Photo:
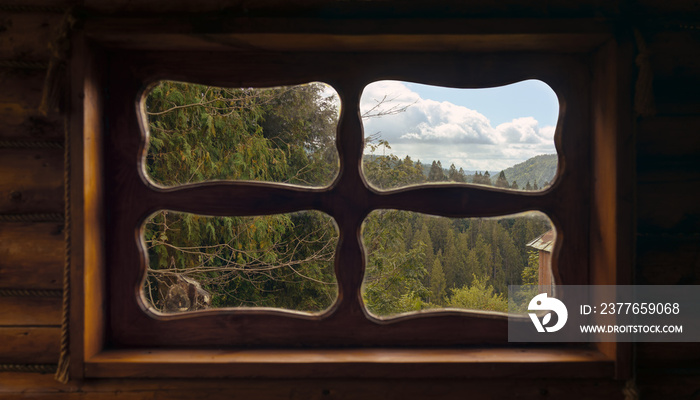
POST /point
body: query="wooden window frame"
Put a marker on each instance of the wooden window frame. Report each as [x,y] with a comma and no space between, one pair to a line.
[112,335]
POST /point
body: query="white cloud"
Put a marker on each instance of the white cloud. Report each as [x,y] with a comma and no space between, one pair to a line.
[524,130]
[432,130]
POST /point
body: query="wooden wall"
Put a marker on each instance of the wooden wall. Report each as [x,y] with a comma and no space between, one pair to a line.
[668,202]
[31,209]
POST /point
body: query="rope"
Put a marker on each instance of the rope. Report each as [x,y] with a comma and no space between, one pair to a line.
[56,83]
[630,390]
[43,368]
[30,293]
[23,64]
[57,217]
[62,371]
[26,144]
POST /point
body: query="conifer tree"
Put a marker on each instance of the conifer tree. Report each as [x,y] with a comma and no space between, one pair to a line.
[501,181]
[452,174]
[461,176]
[437,283]
[436,173]
[477,179]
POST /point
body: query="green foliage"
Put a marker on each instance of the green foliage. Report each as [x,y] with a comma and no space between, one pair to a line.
[388,172]
[539,170]
[437,283]
[199,133]
[436,173]
[501,181]
[392,271]
[452,251]
[482,179]
[414,262]
[478,296]
[530,274]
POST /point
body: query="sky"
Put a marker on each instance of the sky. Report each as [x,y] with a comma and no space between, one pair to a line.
[475,129]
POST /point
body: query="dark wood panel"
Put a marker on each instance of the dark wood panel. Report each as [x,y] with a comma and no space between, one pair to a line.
[668,200]
[29,345]
[31,181]
[31,255]
[30,310]
[672,140]
[333,8]
[675,60]
[674,52]
[662,386]
[677,95]
[658,356]
[44,386]
[25,36]
[19,101]
[668,261]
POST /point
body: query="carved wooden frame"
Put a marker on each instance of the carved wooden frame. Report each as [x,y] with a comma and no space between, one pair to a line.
[117,336]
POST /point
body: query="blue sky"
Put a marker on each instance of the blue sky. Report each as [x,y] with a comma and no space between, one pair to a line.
[476,129]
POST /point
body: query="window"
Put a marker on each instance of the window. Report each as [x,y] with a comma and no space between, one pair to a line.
[119,338]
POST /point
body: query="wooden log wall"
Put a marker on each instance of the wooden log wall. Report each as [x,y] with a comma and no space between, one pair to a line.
[668,202]
[31,217]
[31,194]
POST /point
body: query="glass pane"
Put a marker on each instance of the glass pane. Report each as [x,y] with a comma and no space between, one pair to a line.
[199,262]
[420,262]
[502,137]
[201,133]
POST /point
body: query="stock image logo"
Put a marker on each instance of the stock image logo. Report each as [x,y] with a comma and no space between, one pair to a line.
[543,303]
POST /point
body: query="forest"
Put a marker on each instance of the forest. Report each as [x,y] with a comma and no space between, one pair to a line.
[287,135]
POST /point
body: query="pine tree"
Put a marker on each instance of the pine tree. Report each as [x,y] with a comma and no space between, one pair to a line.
[452,174]
[437,283]
[487,178]
[534,187]
[436,173]
[461,176]
[528,186]
[514,185]
[501,181]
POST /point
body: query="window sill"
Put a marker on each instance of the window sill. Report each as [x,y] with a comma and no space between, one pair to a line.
[351,363]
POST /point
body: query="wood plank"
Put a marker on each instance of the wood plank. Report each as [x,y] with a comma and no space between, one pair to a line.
[28,310]
[675,95]
[660,385]
[674,52]
[44,386]
[668,355]
[668,201]
[19,102]
[29,345]
[668,261]
[25,36]
[676,70]
[333,8]
[673,139]
[31,181]
[351,363]
[33,6]
[31,255]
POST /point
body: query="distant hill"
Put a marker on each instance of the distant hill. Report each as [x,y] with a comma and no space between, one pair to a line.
[538,169]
